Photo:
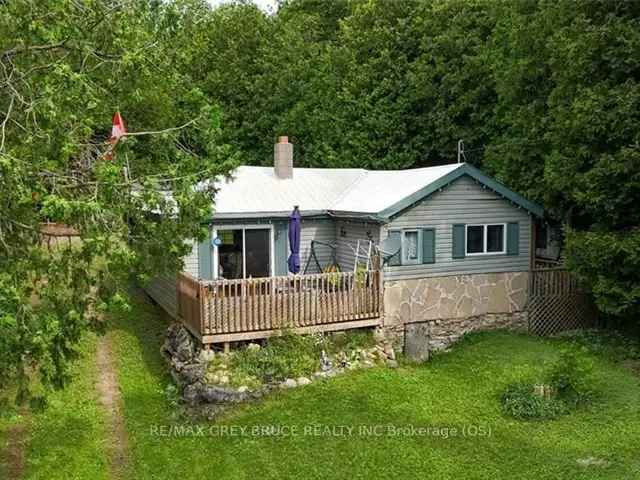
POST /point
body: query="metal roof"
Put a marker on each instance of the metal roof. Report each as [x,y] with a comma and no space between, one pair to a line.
[253,192]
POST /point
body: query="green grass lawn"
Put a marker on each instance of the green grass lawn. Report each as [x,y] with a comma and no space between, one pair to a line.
[456,390]
[66,440]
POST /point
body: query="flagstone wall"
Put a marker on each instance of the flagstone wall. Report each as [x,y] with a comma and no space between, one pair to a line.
[457,304]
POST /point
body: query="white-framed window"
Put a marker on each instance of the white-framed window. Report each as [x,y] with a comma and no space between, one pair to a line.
[486,239]
[410,247]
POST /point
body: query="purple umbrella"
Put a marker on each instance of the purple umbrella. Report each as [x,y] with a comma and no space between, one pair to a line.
[294,240]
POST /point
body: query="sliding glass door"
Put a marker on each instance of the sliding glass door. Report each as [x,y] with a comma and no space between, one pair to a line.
[243,252]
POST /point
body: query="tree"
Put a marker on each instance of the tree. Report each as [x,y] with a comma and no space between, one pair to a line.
[65,68]
[568,106]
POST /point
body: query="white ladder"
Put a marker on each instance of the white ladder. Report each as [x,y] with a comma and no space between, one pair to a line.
[360,253]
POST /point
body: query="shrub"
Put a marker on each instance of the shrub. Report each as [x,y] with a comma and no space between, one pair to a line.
[520,401]
[291,355]
[609,343]
[286,356]
[572,376]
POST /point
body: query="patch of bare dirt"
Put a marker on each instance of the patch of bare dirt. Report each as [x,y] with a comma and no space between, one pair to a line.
[109,396]
[14,455]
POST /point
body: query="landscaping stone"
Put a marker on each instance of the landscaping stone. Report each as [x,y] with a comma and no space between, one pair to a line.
[206,355]
[593,462]
[416,342]
[289,383]
[205,392]
[301,381]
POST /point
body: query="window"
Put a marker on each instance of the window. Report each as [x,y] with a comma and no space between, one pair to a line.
[410,247]
[486,239]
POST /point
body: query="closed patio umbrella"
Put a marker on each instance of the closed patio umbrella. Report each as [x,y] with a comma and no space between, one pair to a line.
[294,240]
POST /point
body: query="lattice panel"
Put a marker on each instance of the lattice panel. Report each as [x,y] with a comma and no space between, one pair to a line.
[551,314]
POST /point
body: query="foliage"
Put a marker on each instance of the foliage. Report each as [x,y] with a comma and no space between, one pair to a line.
[572,377]
[607,343]
[520,401]
[66,67]
[608,262]
[286,356]
[291,355]
[566,383]
[456,389]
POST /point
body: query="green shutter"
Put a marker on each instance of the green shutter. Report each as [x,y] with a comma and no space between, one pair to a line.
[395,239]
[513,238]
[458,241]
[281,230]
[428,245]
[204,259]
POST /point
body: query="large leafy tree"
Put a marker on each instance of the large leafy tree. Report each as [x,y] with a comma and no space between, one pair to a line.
[568,83]
[65,67]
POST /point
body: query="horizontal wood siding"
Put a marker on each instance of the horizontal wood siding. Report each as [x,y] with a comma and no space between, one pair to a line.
[462,202]
[163,288]
[163,291]
[316,229]
[191,260]
[353,231]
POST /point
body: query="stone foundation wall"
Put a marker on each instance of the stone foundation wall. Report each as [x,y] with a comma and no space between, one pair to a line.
[454,305]
[443,333]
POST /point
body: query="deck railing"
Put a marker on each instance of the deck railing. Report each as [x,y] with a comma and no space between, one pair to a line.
[228,307]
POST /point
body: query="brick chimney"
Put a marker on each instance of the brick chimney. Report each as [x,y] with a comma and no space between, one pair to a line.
[283,158]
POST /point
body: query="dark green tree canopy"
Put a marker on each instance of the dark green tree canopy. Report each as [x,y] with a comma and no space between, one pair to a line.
[545,95]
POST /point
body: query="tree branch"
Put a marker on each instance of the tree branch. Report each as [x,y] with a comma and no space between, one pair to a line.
[4,122]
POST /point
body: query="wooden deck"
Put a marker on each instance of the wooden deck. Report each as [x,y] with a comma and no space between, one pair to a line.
[232,310]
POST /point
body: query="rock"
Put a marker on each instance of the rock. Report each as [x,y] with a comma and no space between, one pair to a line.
[592,462]
[191,393]
[289,383]
[253,347]
[389,352]
[319,374]
[192,373]
[301,381]
[183,345]
[222,395]
[325,362]
[243,389]
[392,363]
[211,378]
[206,355]
[367,364]
[417,342]
[224,380]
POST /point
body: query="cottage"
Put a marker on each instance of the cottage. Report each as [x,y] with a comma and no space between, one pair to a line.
[445,247]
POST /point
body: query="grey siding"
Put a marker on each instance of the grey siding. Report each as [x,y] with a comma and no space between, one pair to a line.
[348,232]
[318,229]
[164,293]
[191,260]
[163,289]
[464,201]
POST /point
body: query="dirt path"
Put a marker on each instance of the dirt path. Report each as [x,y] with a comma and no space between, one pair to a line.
[109,396]
[14,455]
